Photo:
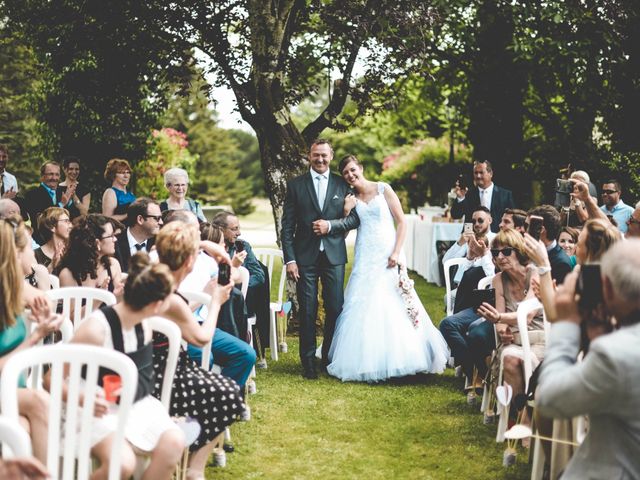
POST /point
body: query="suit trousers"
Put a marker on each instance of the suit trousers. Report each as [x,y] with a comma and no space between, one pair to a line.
[470,341]
[332,279]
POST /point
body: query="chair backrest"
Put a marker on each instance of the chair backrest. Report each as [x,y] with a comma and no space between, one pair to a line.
[14,439]
[79,302]
[244,275]
[54,281]
[272,258]
[172,332]
[66,332]
[200,298]
[524,308]
[447,280]
[78,425]
[485,282]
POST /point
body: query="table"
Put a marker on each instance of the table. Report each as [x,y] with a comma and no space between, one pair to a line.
[420,245]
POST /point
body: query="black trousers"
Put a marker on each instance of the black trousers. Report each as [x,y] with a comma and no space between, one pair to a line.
[332,279]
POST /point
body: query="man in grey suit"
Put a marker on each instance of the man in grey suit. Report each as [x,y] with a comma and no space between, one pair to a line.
[606,384]
[313,232]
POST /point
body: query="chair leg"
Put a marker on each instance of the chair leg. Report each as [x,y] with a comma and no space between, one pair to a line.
[273,336]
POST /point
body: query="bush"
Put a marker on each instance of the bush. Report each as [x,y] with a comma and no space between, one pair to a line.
[423,171]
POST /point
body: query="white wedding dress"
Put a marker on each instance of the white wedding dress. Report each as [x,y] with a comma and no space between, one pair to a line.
[375,338]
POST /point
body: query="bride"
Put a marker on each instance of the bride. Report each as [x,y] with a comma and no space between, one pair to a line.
[383,331]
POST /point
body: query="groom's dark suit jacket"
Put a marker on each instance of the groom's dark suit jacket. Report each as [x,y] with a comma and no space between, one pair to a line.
[301,209]
[500,201]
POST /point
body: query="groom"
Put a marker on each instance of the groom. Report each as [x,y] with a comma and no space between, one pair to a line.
[313,232]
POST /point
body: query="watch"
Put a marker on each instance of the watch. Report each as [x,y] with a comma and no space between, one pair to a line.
[544,269]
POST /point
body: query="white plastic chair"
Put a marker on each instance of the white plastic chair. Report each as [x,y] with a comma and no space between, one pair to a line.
[251,321]
[524,308]
[72,301]
[485,282]
[77,428]
[268,257]
[14,439]
[447,280]
[54,281]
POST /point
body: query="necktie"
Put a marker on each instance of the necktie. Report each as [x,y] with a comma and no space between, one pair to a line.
[1,183]
[321,190]
[140,246]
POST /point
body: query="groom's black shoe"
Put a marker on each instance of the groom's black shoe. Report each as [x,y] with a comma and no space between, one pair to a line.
[309,369]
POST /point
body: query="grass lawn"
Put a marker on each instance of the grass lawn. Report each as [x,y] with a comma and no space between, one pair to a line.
[420,428]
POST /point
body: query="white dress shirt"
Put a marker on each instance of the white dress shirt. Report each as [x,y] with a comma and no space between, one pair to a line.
[459,251]
[9,182]
[486,195]
[132,243]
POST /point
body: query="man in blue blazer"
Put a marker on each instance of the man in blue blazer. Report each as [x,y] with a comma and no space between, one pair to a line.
[313,232]
[484,193]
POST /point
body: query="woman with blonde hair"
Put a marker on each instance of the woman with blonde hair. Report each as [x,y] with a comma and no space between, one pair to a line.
[177,182]
[216,400]
[16,258]
[116,198]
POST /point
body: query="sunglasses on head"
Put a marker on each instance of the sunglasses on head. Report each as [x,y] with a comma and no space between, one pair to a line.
[507,251]
[609,192]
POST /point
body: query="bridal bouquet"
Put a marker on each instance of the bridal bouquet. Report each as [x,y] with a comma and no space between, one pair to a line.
[406,291]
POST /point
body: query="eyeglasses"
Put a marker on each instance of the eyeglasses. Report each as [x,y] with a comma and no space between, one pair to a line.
[478,220]
[506,252]
[609,192]
[124,172]
[64,220]
[632,220]
[112,236]
[157,218]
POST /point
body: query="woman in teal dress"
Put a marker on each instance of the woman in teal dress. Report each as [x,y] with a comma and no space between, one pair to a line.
[16,260]
[116,199]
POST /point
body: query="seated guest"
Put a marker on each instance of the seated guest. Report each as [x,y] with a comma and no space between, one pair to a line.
[475,248]
[568,239]
[595,238]
[16,259]
[258,293]
[560,262]
[54,226]
[603,384]
[123,327]
[513,218]
[513,285]
[177,182]
[613,204]
[81,199]
[8,208]
[216,399]
[8,182]
[235,356]
[89,258]
[45,195]
[633,223]
[143,223]
[116,198]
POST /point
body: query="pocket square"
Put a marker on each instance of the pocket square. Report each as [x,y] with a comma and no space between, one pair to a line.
[335,197]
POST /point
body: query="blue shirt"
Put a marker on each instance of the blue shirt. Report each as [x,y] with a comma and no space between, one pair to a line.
[51,192]
[621,213]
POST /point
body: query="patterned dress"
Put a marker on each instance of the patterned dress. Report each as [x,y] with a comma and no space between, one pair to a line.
[215,401]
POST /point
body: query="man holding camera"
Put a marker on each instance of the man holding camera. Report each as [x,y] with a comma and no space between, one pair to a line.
[548,232]
[485,193]
[614,206]
[605,384]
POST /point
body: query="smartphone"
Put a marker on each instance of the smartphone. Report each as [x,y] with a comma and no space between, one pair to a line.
[535,226]
[460,182]
[224,274]
[563,193]
[589,287]
[468,228]
[479,296]
[239,244]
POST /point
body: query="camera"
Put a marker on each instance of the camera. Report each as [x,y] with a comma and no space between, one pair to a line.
[239,244]
[224,274]
[460,183]
[589,287]
[563,193]
[535,226]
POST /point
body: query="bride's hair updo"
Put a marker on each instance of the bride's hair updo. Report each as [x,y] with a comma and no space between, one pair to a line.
[346,161]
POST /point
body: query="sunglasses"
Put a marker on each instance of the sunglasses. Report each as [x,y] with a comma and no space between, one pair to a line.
[506,252]
[478,220]
[609,192]
[157,218]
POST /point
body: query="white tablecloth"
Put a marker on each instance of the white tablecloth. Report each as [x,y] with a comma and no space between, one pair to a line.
[420,245]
